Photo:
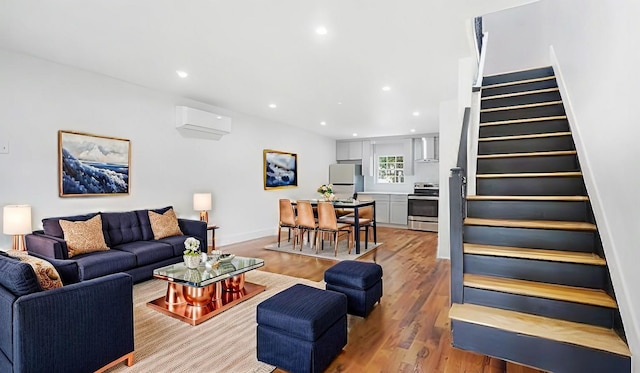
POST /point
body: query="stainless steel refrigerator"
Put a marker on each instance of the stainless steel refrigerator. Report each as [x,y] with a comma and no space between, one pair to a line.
[347,180]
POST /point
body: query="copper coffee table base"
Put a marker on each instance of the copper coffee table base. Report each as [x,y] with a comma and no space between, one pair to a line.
[196,305]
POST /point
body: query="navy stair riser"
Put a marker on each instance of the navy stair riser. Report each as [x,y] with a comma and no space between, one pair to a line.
[537,144]
[576,312]
[571,274]
[536,352]
[522,113]
[531,98]
[531,186]
[539,163]
[525,128]
[522,87]
[580,241]
[531,210]
[518,75]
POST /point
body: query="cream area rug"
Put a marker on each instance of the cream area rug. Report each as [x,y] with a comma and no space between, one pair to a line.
[225,343]
[327,253]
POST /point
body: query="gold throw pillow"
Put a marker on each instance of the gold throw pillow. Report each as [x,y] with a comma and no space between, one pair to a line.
[83,236]
[45,271]
[164,225]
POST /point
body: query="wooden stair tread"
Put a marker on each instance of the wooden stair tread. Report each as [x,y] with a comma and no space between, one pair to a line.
[590,336]
[516,82]
[525,120]
[530,154]
[530,174]
[523,106]
[527,198]
[594,297]
[524,93]
[522,137]
[535,254]
[535,224]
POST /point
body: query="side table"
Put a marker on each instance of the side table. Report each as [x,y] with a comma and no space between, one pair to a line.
[212,228]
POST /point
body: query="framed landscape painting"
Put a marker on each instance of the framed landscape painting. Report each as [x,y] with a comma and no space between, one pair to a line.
[92,165]
[280,169]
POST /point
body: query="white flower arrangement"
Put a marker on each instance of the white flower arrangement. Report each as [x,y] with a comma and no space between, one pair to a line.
[192,246]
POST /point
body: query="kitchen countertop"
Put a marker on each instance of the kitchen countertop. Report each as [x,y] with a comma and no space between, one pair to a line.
[391,193]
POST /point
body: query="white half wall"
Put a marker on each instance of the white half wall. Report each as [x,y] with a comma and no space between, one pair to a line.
[595,47]
[38,98]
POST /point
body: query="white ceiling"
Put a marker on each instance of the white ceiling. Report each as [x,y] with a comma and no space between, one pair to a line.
[243,55]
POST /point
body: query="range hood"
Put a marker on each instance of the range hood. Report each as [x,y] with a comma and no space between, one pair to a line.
[427,151]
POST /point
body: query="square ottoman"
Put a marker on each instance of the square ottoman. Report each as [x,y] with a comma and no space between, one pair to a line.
[361,282]
[302,329]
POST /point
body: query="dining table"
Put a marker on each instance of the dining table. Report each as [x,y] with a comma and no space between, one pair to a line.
[354,205]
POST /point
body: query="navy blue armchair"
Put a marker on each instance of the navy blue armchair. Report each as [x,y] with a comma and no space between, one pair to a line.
[81,327]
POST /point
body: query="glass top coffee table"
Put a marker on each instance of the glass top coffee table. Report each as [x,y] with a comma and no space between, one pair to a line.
[196,295]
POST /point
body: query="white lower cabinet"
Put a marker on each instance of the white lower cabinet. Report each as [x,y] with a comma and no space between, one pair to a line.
[398,209]
[390,208]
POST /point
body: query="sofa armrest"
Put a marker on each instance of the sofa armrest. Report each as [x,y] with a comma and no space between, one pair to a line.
[195,228]
[48,246]
[77,328]
[67,268]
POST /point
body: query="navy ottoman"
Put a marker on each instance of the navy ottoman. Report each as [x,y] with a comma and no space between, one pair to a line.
[302,329]
[361,282]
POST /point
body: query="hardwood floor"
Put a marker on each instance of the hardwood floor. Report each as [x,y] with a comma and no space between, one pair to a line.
[409,331]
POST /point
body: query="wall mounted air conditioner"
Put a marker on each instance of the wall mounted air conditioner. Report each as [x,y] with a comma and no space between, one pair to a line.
[202,124]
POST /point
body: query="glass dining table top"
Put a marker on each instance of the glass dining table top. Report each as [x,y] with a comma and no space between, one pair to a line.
[208,272]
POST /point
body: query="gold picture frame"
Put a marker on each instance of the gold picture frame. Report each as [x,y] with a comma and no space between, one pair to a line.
[280,169]
[93,165]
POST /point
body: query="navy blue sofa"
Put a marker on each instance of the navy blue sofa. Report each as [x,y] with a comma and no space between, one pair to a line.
[132,247]
[76,328]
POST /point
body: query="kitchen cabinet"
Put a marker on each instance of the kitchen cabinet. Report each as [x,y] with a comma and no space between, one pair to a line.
[390,208]
[398,209]
[348,150]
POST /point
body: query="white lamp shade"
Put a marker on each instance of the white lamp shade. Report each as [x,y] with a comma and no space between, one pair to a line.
[202,201]
[16,219]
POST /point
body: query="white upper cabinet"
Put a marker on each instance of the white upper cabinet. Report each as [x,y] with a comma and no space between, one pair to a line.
[348,150]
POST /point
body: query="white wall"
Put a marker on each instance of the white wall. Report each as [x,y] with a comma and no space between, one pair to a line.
[596,54]
[38,98]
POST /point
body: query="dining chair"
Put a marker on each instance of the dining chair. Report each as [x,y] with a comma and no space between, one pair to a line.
[306,222]
[287,220]
[328,223]
[365,221]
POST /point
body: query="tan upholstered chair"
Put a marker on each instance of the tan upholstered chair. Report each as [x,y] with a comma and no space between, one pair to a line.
[366,221]
[287,219]
[328,223]
[306,222]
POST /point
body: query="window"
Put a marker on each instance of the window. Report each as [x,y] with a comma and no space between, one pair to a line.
[391,169]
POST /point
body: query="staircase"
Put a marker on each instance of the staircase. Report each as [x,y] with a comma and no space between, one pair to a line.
[536,286]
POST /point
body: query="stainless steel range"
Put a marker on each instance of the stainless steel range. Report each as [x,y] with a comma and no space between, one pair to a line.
[423,207]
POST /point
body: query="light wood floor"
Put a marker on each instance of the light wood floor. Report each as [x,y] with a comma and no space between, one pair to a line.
[409,331]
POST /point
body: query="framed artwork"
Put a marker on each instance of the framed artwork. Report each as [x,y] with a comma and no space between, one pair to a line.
[280,169]
[92,165]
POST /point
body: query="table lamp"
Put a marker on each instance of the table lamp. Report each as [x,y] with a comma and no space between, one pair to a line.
[202,203]
[17,222]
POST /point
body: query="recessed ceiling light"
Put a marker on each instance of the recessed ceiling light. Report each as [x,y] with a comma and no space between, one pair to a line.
[182,74]
[416,113]
[321,30]
[386,88]
[273,106]
[219,117]
[323,123]
[355,134]
[339,102]
[412,130]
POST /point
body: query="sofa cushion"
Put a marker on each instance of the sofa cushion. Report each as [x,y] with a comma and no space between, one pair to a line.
[46,273]
[164,225]
[83,236]
[121,227]
[145,224]
[102,263]
[177,243]
[17,277]
[147,252]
